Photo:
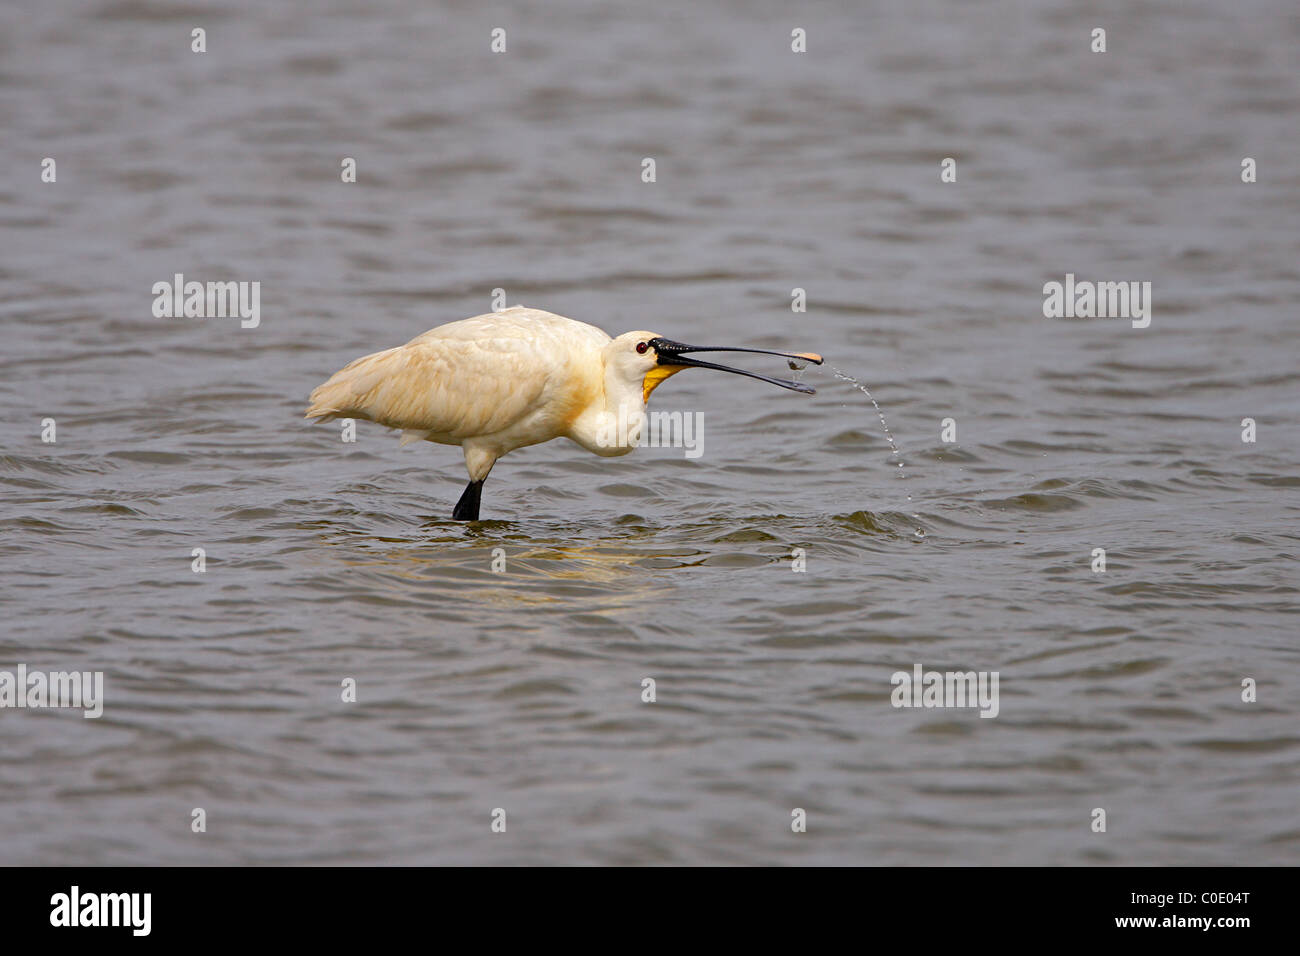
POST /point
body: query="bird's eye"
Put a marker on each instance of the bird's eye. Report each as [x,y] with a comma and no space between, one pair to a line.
[641,347]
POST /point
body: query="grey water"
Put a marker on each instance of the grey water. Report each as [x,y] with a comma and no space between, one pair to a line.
[522,688]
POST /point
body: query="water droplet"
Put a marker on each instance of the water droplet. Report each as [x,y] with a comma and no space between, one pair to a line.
[889,437]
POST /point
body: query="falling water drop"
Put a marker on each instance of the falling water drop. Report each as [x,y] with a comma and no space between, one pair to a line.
[889,436]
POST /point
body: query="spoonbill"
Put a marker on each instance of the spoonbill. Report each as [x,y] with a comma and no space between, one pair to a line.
[518,377]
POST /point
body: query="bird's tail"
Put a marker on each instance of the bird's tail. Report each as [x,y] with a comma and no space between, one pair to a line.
[344,394]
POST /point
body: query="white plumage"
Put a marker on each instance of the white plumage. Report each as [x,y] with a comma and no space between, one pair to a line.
[508,379]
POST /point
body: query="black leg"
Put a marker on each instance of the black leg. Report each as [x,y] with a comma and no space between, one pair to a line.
[467,507]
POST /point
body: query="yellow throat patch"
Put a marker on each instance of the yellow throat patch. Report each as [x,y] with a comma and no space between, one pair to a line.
[655,377]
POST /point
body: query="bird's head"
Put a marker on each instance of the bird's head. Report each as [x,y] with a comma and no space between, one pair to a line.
[648,358]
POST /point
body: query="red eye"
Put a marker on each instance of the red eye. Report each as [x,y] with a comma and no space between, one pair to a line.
[641,347]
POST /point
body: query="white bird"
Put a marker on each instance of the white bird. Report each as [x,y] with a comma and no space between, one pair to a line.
[518,377]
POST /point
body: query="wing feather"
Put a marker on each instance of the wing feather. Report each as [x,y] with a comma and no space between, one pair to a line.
[470,378]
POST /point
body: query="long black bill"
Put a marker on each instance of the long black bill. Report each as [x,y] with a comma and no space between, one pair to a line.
[673,353]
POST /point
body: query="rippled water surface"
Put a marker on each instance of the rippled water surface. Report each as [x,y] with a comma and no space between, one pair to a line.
[522,690]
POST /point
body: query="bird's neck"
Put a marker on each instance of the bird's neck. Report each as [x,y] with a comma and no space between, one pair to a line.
[613,425]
